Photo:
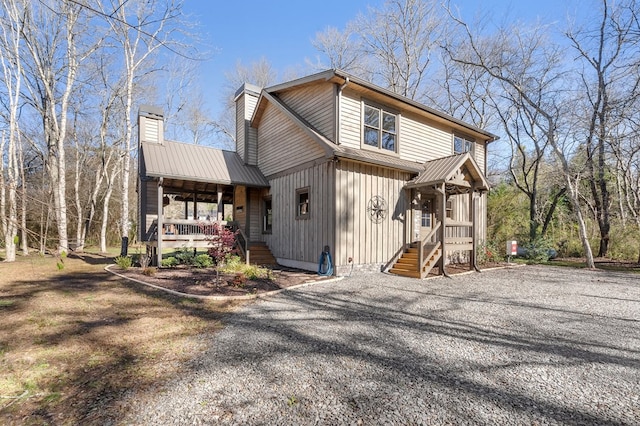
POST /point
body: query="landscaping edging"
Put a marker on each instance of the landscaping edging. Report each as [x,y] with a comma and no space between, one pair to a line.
[219,298]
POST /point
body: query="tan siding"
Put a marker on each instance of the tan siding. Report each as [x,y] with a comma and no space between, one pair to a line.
[150,210]
[302,239]
[240,206]
[255,218]
[419,139]
[422,141]
[368,243]
[245,105]
[316,105]
[282,144]
[480,155]
[350,119]
[240,127]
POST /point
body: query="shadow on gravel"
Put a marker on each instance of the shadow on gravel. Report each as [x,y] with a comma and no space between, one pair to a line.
[395,317]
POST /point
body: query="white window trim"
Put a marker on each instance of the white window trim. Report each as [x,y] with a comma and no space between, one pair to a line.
[379,148]
[468,139]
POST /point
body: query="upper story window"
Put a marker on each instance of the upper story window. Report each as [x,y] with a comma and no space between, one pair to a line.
[462,145]
[380,128]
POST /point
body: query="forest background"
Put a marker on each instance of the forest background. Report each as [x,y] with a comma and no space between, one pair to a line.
[563,96]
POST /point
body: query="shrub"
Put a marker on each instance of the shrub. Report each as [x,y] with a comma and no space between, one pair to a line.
[149,271]
[537,251]
[202,261]
[185,256]
[490,252]
[124,262]
[170,262]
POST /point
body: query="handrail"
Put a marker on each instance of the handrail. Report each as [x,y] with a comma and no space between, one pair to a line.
[243,244]
[421,252]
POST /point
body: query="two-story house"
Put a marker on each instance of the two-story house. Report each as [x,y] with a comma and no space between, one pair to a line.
[330,160]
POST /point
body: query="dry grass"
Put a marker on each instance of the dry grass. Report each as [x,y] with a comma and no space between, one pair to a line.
[75,340]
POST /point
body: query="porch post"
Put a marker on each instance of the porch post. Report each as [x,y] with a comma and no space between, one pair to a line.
[160,224]
[220,205]
[443,226]
[195,205]
[474,228]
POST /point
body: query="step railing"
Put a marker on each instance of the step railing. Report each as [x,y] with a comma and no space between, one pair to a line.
[427,247]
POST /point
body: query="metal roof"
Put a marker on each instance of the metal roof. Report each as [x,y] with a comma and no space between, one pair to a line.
[198,163]
[444,170]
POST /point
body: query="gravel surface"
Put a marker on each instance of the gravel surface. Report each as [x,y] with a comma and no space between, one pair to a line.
[528,345]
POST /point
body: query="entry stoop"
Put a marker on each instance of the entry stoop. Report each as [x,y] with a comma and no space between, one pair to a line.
[260,254]
[407,265]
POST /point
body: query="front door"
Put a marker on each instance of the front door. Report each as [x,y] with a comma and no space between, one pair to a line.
[426,217]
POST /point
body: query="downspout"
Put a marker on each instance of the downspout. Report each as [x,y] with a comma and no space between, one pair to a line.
[334,172]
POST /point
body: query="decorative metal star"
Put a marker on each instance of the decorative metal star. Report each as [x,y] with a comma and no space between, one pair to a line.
[377,209]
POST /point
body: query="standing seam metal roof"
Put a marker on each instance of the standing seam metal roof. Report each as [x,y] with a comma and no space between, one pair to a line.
[199,163]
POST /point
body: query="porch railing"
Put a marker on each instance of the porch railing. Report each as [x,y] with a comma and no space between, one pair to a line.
[426,248]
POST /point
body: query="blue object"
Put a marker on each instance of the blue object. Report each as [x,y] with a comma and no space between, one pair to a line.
[325,264]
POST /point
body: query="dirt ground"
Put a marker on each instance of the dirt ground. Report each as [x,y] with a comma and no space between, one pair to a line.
[205,281]
[75,339]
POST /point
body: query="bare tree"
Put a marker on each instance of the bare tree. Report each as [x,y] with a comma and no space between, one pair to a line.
[530,70]
[52,33]
[10,59]
[342,50]
[401,37]
[609,79]
[140,28]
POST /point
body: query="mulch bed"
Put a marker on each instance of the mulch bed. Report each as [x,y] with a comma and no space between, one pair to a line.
[204,282]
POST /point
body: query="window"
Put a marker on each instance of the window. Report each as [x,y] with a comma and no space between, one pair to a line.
[462,145]
[267,216]
[449,210]
[426,214]
[302,200]
[380,128]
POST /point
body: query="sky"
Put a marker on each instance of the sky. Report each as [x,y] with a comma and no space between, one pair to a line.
[282,30]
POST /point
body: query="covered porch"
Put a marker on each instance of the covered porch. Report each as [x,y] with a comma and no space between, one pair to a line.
[444,217]
[203,183]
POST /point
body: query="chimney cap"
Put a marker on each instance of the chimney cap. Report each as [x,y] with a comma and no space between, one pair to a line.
[247,88]
[150,111]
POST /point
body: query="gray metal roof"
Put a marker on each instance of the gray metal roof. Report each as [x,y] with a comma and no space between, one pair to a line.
[199,163]
[443,170]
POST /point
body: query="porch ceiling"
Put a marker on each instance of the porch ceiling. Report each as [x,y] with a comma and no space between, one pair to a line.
[206,192]
[460,173]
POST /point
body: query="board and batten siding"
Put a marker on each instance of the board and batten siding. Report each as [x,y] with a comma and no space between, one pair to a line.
[240,206]
[369,244]
[282,144]
[299,242]
[255,197]
[315,104]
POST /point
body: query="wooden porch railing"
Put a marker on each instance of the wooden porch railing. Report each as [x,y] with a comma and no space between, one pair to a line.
[185,232]
[242,242]
[427,248]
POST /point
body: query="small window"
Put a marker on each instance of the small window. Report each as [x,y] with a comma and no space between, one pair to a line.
[450,208]
[302,199]
[462,145]
[267,216]
[426,214]
[380,128]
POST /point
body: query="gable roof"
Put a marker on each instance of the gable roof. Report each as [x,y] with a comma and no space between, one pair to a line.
[198,163]
[448,170]
[342,77]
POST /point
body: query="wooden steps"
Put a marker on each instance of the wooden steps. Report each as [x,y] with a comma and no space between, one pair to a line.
[260,254]
[407,265]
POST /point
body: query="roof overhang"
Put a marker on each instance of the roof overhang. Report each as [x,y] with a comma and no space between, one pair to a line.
[197,163]
[459,173]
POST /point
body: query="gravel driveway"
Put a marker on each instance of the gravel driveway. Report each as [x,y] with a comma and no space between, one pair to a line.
[529,345]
